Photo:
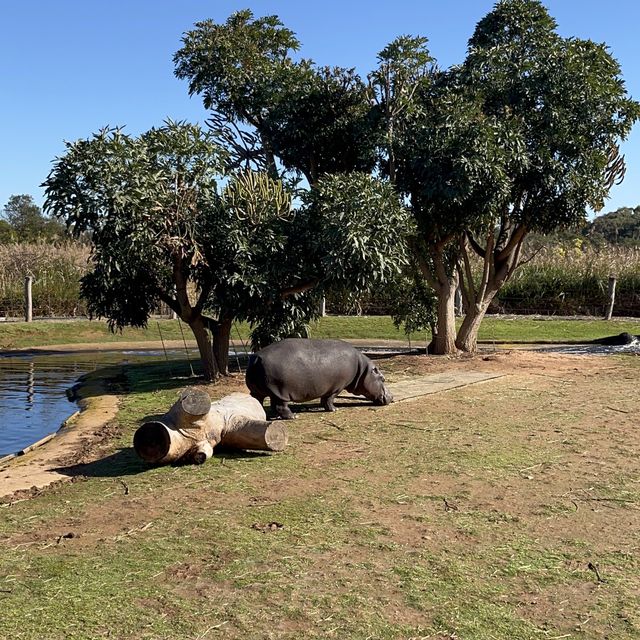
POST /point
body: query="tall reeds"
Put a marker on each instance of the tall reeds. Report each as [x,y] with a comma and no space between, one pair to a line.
[559,279]
[572,279]
[56,270]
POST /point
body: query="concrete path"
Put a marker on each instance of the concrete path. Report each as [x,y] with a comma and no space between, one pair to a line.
[424,385]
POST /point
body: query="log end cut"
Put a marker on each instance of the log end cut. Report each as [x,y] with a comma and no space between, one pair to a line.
[152,442]
[259,435]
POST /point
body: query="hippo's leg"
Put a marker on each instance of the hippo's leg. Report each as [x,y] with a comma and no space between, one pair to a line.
[282,408]
[327,402]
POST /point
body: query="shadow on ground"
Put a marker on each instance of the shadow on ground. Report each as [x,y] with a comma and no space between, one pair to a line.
[125,462]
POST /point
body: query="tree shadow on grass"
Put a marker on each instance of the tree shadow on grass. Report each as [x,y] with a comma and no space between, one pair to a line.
[124,462]
[143,377]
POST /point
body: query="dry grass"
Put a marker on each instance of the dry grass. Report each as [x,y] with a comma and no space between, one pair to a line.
[56,270]
[572,279]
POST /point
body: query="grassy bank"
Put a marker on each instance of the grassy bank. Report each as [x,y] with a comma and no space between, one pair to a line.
[476,517]
[16,335]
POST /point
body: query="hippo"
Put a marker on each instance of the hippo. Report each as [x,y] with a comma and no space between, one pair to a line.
[620,340]
[301,369]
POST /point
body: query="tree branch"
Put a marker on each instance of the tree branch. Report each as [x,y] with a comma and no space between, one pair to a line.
[172,303]
[516,237]
[475,245]
[422,263]
[486,270]
[202,298]
[468,290]
[299,288]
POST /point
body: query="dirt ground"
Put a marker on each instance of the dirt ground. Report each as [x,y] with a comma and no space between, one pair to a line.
[541,464]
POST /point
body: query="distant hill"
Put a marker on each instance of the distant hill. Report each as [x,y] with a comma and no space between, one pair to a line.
[621,227]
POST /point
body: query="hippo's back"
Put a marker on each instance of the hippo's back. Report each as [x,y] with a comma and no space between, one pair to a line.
[300,369]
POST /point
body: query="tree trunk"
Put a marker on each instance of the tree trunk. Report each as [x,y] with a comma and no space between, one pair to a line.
[210,367]
[221,338]
[467,338]
[445,285]
[444,342]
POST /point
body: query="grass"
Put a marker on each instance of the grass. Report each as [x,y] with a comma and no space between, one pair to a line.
[14,335]
[368,548]
[56,270]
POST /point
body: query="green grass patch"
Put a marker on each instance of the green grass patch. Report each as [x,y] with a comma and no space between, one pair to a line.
[15,335]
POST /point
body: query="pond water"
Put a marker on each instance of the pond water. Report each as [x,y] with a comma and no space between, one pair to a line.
[594,349]
[34,386]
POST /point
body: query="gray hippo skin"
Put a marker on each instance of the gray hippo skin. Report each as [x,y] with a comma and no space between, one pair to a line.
[620,340]
[300,369]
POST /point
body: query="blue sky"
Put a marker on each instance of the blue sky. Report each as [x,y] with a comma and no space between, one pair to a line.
[70,67]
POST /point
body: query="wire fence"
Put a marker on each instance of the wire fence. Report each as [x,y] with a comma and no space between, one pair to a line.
[561,280]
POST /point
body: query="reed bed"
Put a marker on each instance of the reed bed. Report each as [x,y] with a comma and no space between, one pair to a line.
[572,279]
[559,279]
[56,270]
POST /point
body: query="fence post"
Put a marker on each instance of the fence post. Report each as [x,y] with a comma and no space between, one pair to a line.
[611,297]
[28,299]
[322,309]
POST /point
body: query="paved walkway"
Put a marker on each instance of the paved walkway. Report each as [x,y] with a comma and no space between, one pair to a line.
[433,383]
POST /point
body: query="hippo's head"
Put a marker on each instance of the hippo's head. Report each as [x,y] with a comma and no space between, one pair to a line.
[372,386]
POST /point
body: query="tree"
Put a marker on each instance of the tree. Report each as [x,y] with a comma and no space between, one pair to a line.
[521,137]
[162,231]
[6,232]
[621,226]
[147,202]
[24,221]
[274,113]
[294,119]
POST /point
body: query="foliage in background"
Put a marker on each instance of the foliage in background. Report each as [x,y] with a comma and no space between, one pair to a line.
[572,279]
[22,220]
[562,278]
[56,270]
[620,227]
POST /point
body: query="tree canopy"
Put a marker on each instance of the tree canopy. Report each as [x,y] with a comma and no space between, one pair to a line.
[522,136]
[620,227]
[168,225]
[24,221]
[415,172]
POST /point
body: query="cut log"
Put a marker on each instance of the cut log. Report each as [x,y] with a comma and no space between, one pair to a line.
[194,425]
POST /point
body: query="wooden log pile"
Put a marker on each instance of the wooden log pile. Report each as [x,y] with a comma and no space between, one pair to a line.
[194,425]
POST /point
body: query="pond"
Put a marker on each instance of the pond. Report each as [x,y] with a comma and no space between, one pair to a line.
[633,348]
[34,386]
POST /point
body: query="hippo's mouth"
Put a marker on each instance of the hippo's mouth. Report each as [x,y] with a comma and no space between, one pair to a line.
[383,400]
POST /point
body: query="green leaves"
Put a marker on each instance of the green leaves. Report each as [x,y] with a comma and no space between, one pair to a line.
[255,198]
[361,230]
[236,66]
[563,98]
